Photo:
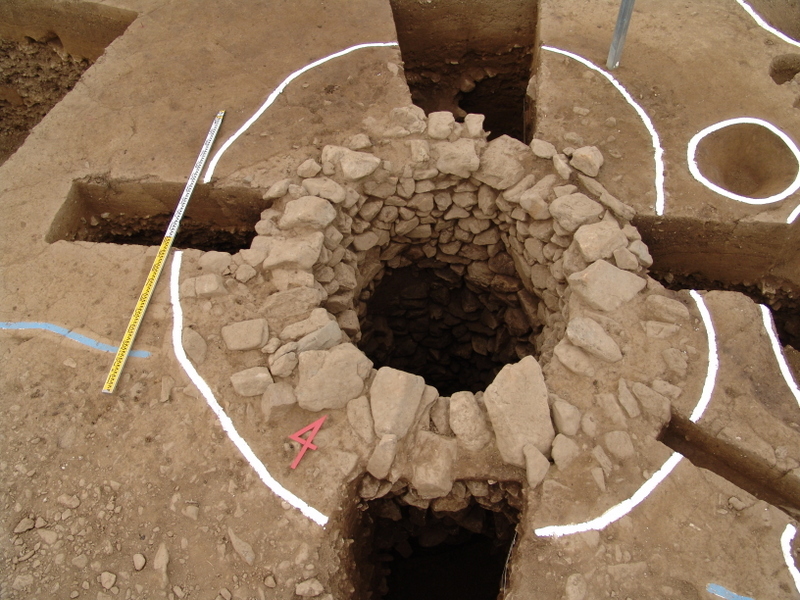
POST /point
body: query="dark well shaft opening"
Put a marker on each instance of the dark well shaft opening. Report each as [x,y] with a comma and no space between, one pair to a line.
[416,553]
[432,323]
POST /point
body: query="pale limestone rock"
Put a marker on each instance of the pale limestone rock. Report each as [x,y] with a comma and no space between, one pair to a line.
[242,548]
[246,335]
[473,125]
[394,398]
[627,399]
[251,382]
[323,338]
[107,579]
[561,165]
[283,365]
[318,318]
[357,165]
[432,470]
[366,241]
[299,252]
[536,465]
[573,210]
[502,163]
[411,118]
[619,444]
[517,405]
[605,287]
[254,258]
[214,262]
[277,394]
[467,421]
[441,125]
[640,251]
[209,285]
[287,307]
[359,141]
[653,403]
[603,460]
[543,149]
[309,168]
[440,416]
[307,211]
[322,187]
[666,309]
[194,345]
[574,358]
[278,189]
[348,322]
[513,193]
[564,451]
[380,462]
[139,561]
[310,588]
[588,334]
[456,158]
[599,240]
[359,415]
[666,389]
[659,330]
[576,587]
[676,362]
[245,273]
[161,563]
[625,259]
[329,379]
[566,417]
[587,160]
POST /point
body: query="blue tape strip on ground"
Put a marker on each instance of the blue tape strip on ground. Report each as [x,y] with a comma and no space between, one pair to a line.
[77,337]
[720,591]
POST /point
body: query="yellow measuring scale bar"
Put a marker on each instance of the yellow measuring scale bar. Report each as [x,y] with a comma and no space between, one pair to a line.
[160,260]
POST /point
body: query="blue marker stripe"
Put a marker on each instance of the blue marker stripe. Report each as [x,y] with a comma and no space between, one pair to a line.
[76,337]
[720,591]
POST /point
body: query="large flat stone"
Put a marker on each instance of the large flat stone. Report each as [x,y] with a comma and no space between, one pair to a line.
[394,397]
[434,456]
[503,162]
[605,287]
[329,379]
[517,405]
[293,305]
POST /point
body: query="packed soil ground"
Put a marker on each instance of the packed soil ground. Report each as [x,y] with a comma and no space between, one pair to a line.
[141,494]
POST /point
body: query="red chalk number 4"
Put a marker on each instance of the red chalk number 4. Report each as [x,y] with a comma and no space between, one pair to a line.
[312,430]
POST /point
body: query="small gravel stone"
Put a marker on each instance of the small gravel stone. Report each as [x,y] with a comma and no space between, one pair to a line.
[107,579]
[139,561]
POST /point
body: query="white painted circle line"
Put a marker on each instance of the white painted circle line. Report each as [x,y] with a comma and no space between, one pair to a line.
[224,419]
[694,169]
[276,92]
[616,512]
[769,325]
[658,150]
[763,24]
[786,546]
[713,358]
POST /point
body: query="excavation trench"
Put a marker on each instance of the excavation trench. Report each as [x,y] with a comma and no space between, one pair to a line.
[120,212]
[472,58]
[455,547]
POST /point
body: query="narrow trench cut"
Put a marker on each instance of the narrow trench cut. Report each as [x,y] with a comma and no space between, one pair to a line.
[472,58]
[458,547]
[127,212]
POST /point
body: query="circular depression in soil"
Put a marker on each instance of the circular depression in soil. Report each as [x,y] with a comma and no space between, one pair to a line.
[747,160]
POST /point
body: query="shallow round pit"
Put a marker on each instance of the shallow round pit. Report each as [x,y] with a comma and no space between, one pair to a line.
[747,160]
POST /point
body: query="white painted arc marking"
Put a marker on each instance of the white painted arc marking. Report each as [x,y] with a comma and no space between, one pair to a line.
[769,325]
[659,151]
[713,358]
[224,419]
[786,546]
[276,92]
[762,23]
[616,512]
[694,169]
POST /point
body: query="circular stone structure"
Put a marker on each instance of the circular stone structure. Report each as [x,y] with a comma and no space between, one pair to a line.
[745,159]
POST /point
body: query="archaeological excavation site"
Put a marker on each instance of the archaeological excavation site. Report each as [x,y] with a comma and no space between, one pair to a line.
[455,300]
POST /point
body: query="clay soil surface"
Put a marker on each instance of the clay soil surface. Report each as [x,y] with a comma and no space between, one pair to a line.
[88,481]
